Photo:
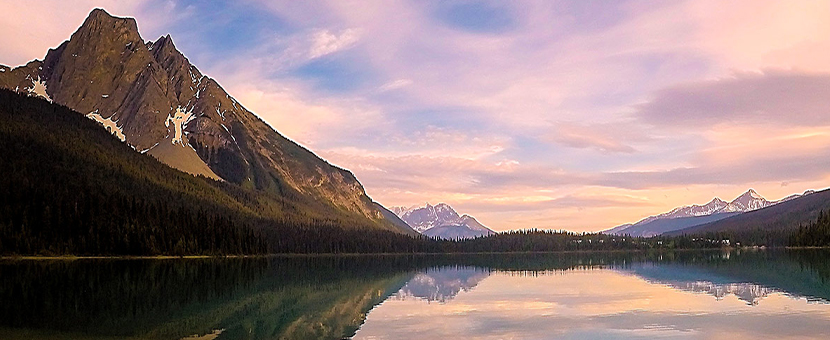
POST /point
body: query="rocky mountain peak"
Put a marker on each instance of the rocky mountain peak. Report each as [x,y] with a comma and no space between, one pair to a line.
[715,201]
[152,98]
[441,221]
[748,201]
[101,26]
[165,52]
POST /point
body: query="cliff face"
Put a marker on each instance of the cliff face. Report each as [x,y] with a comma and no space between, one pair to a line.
[150,93]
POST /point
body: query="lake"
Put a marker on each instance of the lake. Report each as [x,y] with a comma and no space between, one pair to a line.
[676,295]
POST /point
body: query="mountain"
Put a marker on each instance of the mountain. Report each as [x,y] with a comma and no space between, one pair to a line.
[693,215]
[71,187]
[441,221]
[748,201]
[149,95]
[782,217]
[422,218]
[660,226]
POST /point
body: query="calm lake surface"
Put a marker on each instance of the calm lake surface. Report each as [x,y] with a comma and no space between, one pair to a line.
[681,295]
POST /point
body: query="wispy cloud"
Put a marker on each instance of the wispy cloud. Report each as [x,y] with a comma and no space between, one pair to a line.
[783,97]
[324,42]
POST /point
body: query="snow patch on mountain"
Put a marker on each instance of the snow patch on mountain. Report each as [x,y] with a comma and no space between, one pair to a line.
[441,221]
[108,123]
[39,88]
[179,121]
[748,201]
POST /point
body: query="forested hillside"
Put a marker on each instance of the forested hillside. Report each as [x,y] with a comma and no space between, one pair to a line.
[70,187]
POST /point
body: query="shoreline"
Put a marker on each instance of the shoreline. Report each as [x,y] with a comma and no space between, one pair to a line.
[192,257]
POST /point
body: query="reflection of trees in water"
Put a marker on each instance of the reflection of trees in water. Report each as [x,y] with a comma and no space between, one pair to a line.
[168,299]
[329,296]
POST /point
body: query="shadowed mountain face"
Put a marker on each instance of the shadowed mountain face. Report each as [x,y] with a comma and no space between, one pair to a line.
[149,95]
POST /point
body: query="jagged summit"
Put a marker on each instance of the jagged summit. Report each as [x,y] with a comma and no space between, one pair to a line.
[150,96]
[441,221]
[99,17]
[748,201]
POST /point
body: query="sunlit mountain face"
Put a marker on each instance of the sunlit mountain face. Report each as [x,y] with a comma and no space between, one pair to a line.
[441,221]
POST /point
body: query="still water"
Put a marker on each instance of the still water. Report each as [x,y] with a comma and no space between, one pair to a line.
[682,295]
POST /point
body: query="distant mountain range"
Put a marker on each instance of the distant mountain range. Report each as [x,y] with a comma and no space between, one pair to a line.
[694,215]
[441,221]
[149,96]
[775,220]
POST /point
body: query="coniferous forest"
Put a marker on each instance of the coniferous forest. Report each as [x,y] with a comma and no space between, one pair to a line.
[68,187]
[815,234]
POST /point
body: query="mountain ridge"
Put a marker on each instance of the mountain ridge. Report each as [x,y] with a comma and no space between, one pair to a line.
[693,215]
[149,93]
[784,217]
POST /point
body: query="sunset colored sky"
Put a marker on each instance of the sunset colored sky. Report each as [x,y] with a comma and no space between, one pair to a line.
[578,115]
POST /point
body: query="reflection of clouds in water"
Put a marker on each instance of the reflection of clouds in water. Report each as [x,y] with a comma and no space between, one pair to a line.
[442,284]
[595,303]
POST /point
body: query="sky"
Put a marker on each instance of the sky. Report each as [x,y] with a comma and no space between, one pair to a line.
[578,115]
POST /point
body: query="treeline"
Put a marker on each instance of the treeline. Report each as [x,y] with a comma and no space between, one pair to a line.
[547,240]
[69,187]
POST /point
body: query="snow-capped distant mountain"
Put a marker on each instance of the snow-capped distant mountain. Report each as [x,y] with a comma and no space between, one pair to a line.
[713,206]
[748,201]
[441,221]
[422,218]
[692,215]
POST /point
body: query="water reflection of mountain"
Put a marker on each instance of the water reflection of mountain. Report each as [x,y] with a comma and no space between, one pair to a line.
[750,276]
[328,297]
[443,283]
[751,293]
[697,280]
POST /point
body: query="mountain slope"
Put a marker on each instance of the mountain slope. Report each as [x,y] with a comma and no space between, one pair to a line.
[785,216]
[689,216]
[161,104]
[69,187]
[660,226]
[441,221]
[642,227]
